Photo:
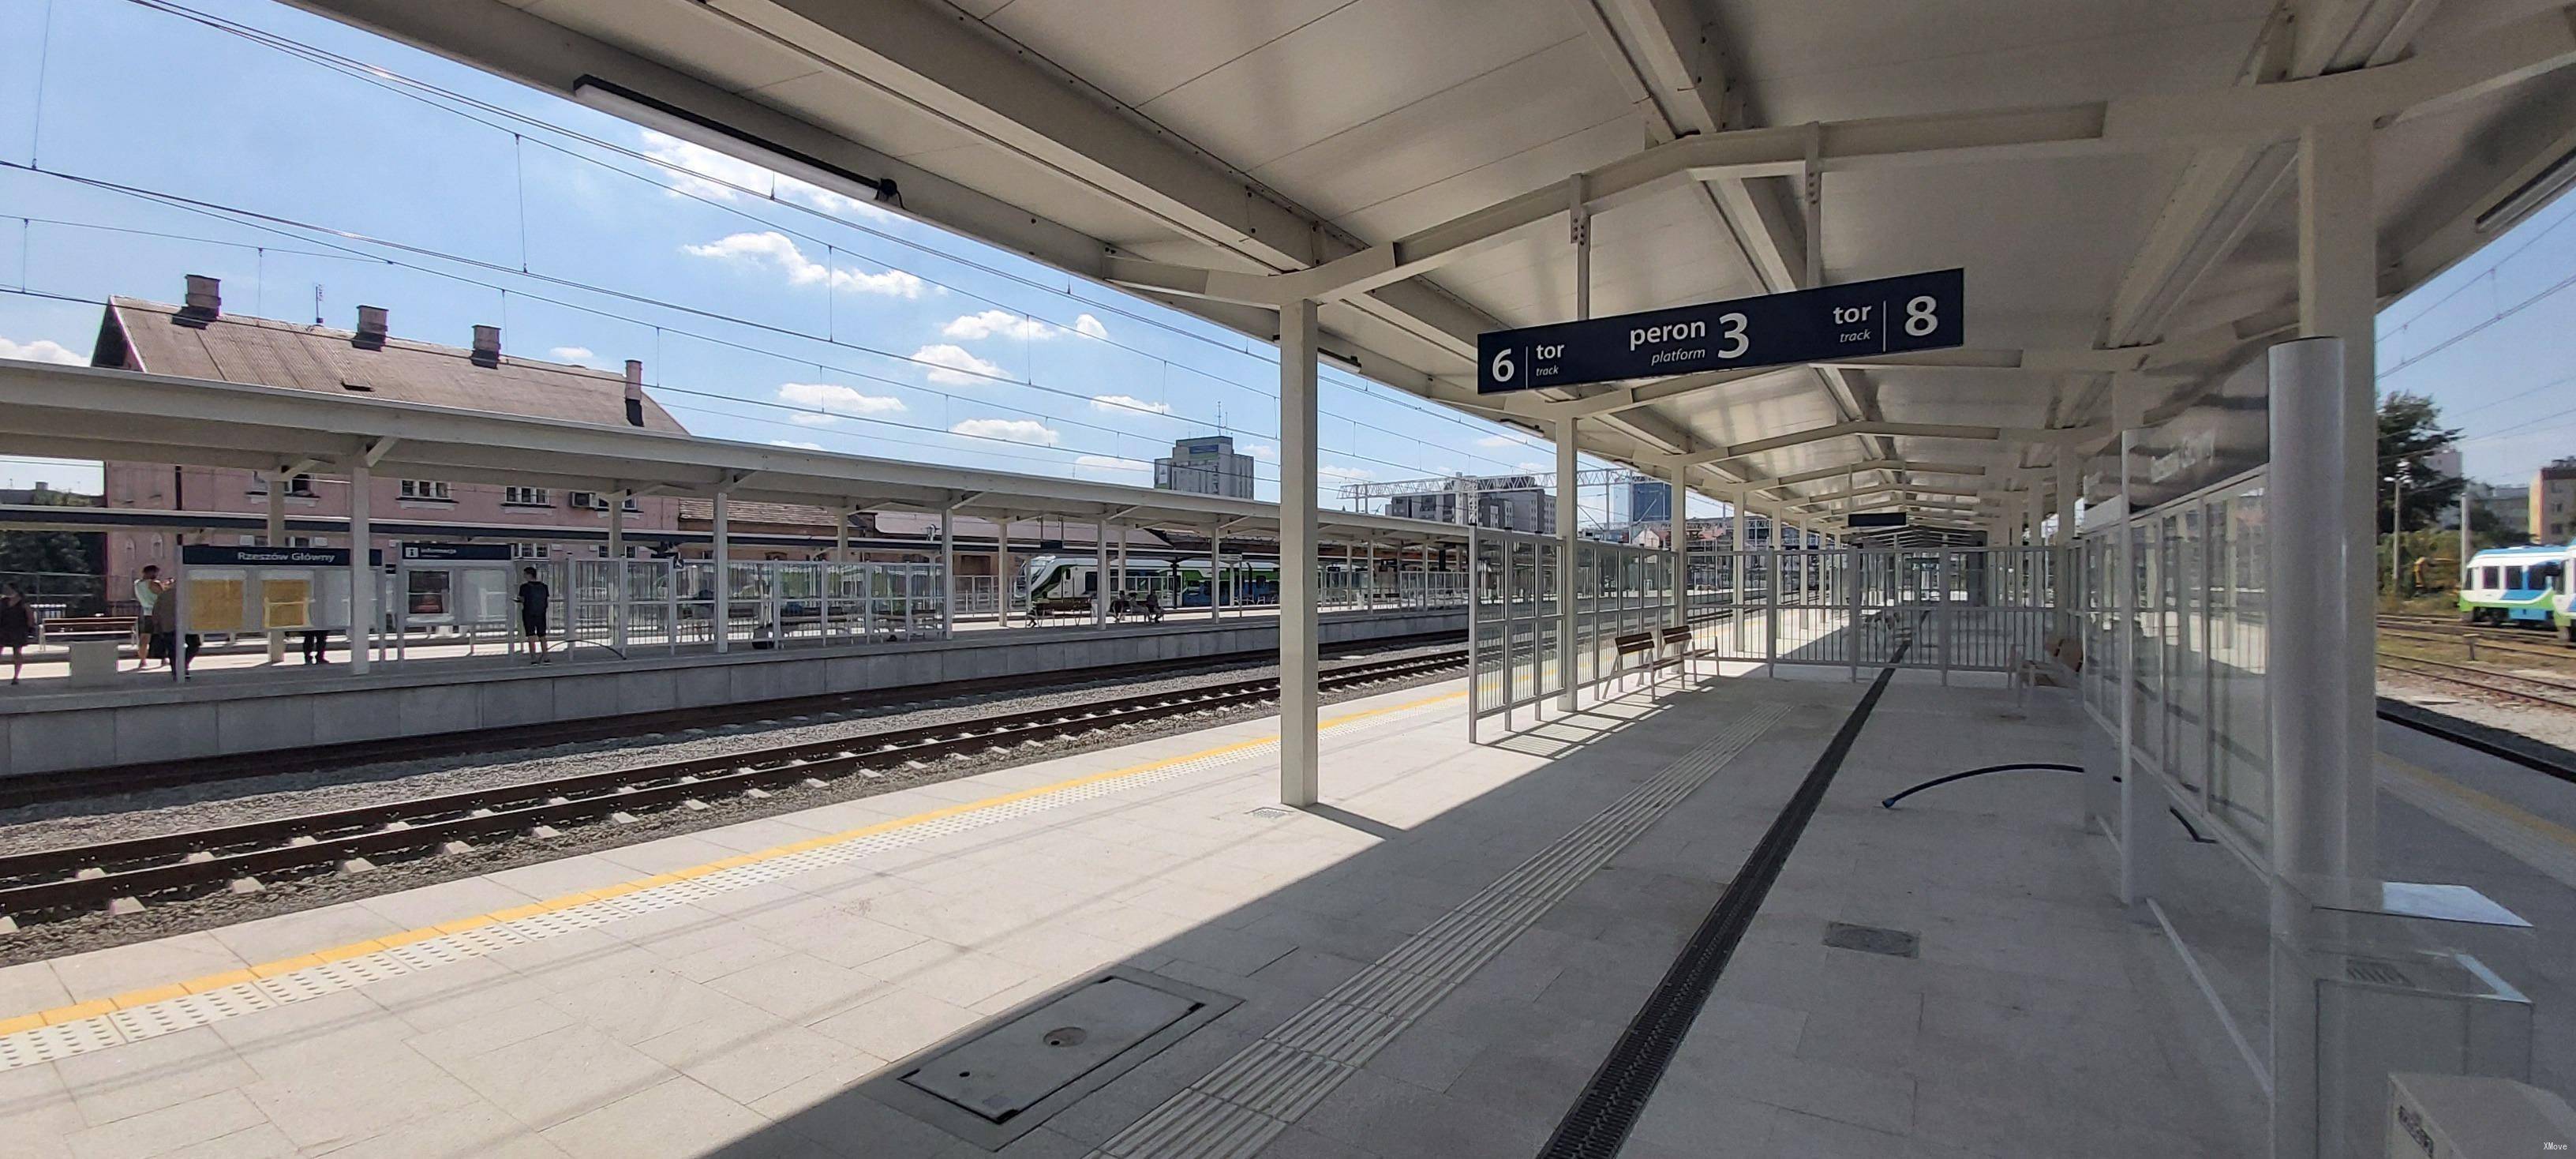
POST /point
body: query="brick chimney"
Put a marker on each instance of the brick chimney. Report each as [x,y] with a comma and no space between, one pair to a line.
[371,329]
[204,301]
[487,346]
[634,393]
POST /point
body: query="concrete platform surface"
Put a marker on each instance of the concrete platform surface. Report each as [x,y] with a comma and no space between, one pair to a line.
[1430,963]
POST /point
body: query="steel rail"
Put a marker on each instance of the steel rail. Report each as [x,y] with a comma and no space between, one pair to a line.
[54,880]
[2536,698]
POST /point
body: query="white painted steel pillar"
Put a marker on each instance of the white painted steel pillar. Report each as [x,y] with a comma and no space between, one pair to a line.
[1100,574]
[1677,524]
[362,577]
[1216,572]
[1567,515]
[1300,743]
[721,615]
[2319,507]
[948,571]
[617,554]
[276,537]
[1002,572]
[1368,594]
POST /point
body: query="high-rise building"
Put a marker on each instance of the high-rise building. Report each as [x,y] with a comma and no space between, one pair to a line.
[1207,465]
[1650,500]
[2553,502]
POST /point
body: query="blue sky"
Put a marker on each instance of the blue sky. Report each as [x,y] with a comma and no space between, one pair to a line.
[764,309]
[769,311]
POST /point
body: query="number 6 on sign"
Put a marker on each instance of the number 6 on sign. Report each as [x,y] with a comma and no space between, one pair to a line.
[1503,368]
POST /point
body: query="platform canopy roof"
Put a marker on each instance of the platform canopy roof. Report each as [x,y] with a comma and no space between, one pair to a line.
[126,416]
[2116,177]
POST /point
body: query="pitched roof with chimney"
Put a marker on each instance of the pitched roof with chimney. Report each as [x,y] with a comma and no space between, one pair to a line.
[153,337]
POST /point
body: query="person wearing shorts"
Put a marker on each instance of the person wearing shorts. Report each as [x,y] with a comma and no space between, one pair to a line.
[533,598]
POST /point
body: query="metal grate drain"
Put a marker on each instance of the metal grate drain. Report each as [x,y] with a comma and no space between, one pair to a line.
[1872,940]
[1269,812]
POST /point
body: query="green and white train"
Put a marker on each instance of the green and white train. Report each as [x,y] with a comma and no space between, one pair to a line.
[1181,583]
[2532,587]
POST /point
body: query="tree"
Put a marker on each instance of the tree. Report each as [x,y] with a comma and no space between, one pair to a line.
[54,555]
[2410,432]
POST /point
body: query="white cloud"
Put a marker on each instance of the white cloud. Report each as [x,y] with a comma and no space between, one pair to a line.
[1028,431]
[954,366]
[826,402]
[703,172]
[41,350]
[1090,326]
[571,353]
[1127,404]
[1503,441]
[1529,468]
[974,327]
[794,445]
[776,250]
[1345,473]
[1262,451]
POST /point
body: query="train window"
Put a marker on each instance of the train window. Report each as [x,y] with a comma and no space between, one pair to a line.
[2490,577]
[2513,577]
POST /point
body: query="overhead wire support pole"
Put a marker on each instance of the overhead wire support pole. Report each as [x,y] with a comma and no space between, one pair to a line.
[1300,742]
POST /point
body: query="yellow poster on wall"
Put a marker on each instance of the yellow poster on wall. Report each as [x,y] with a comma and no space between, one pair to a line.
[214,605]
[286,603]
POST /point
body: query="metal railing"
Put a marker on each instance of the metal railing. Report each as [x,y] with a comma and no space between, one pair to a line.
[1962,609]
[1518,654]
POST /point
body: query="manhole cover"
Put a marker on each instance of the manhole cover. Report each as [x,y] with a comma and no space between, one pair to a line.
[1871,940]
[1269,812]
[993,1084]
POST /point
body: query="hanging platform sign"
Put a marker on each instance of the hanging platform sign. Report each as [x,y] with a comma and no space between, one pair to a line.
[460,552]
[1876,520]
[1882,316]
[210,555]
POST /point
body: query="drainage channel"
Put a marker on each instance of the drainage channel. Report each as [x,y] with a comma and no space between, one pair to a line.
[1601,1117]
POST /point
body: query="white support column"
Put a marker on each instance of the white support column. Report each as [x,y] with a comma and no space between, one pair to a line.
[1100,574]
[1002,578]
[1216,572]
[721,616]
[617,569]
[1567,515]
[1368,593]
[1122,561]
[2338,297]
[1300,743]
[1677,503]
[2320,504]
[276,537]
[948,571]
[362,576]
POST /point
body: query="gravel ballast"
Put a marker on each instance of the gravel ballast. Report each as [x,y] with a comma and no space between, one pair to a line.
[184,808]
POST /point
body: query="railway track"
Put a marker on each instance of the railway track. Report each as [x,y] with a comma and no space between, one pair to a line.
[126,874]
[2437,670]
[73,784]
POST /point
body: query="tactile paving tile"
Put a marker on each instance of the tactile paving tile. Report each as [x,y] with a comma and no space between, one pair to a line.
[1248,1099]
[45,1043]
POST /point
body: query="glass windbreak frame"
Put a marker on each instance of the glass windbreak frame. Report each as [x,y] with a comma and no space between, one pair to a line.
[2197,571]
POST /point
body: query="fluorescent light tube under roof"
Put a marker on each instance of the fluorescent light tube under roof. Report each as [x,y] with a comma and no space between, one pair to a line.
[620,101]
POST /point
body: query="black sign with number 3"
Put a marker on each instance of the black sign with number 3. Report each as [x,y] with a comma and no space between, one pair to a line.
[1882,316]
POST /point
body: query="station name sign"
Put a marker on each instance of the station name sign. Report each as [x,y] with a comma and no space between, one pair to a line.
[1876,520]
[209,554]
[1882,316]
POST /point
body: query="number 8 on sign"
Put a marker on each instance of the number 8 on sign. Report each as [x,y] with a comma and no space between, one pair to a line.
[1920,318]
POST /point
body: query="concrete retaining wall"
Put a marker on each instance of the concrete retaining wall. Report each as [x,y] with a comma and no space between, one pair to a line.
[212,717]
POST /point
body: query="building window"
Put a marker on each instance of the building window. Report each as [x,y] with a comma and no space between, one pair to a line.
[585,500]
[527,551]
[526,497]
[431,489]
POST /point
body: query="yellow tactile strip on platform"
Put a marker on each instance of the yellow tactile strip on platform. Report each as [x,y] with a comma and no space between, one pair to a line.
[106,1022]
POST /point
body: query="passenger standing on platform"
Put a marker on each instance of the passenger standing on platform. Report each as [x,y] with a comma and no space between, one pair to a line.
[17,628]
[533,598]
[147,626]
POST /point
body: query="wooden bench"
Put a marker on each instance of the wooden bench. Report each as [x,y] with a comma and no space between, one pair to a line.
[1637,647]
[1054,607]
[1673,650]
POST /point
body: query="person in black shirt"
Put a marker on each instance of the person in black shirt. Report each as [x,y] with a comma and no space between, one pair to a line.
[17,628]
[533,597]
